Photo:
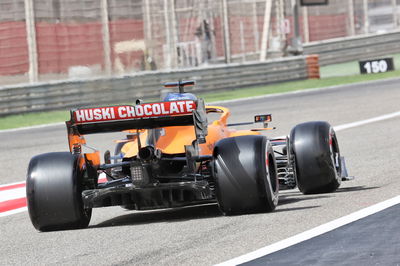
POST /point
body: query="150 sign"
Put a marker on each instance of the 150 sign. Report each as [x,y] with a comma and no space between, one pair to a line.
[376,65]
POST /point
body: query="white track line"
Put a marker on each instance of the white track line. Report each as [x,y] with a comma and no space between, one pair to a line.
[12,194]
[31,127]
[12,184]
[361,122]
[367,121]
[7,213]
[319,230]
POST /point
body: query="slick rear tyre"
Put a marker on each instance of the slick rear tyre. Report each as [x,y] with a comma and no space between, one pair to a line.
[245,175]
[53,188]
[316,157]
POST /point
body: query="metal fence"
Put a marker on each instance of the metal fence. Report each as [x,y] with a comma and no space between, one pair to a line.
[44,40]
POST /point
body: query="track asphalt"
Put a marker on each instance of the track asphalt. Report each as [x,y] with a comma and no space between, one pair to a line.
[373,240]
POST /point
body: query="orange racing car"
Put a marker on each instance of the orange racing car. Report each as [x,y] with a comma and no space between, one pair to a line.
[173,157]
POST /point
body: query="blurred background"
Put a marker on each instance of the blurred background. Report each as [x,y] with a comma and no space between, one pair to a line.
[43,40]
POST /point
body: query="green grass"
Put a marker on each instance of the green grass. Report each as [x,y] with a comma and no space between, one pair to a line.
[350,68]
[32,119]
[328,74]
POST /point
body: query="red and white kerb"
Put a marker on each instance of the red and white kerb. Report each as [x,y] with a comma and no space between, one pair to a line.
[102,114]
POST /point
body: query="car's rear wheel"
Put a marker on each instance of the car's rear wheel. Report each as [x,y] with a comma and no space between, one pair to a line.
[316,157]
[54,188]
[245,175]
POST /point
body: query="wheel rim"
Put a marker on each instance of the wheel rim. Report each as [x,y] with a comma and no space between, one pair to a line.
[335,155]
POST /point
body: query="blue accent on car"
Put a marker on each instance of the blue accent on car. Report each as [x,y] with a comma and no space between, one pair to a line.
[176,96]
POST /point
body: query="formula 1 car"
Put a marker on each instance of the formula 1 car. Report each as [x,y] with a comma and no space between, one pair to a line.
[173,157]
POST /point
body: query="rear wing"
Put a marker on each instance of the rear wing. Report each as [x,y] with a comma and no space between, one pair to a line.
[142,116]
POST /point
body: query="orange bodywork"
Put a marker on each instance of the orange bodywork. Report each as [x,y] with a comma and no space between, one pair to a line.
[76,142]
[172,140]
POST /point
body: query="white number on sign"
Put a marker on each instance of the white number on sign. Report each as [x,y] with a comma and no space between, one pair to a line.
[376,66]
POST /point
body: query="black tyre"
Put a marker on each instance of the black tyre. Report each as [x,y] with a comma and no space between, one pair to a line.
[245,175]
[53,188]
[316,157]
